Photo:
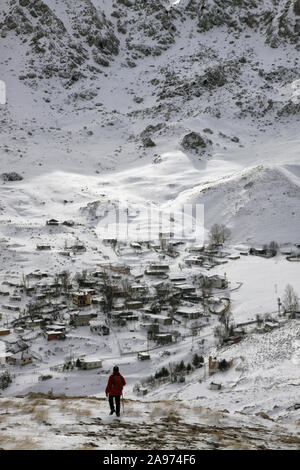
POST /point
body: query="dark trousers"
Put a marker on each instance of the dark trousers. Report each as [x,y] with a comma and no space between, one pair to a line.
[111,403]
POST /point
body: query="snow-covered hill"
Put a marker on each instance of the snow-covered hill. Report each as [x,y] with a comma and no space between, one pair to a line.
[61,423]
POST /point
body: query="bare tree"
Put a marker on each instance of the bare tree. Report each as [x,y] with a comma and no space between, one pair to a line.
[109,290]
[65,279]
[290,300]
[225,328]
[126,287]
[24,281]
[273,248]
[218,234]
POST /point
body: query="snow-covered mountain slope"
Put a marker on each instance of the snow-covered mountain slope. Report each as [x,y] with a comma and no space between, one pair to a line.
[109,88]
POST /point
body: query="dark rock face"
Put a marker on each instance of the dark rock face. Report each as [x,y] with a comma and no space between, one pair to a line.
[148,142]
[12,176]
[274,20]
[151,129]
[56,51]
[194,142]
[289,109]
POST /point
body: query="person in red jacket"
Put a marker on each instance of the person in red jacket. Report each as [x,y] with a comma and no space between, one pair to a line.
[114,389]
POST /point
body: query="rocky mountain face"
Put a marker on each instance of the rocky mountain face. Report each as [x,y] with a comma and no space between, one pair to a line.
[55,50]
[276,19]
[80,37]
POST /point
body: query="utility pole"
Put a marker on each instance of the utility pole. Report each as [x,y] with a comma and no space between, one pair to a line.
[279,305]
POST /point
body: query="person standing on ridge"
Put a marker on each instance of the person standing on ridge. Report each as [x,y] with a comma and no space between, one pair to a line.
[114,389]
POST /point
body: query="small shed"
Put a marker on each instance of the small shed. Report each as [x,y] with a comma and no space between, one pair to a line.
[215,386]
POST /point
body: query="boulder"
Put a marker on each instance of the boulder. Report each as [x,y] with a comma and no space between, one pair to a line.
[194,142]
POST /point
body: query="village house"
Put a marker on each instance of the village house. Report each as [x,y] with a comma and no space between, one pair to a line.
[196,249]
[156,272]
[161,319]
[78,248]
[87,283]
[52,222]
[54,334]
[129,316]
[165,235]
[88,363]
[189,314]
[138,289]
[81,299]
[11,307]
[271,325]
[117,268]
[218,282]
[64,253]
[59,327]
[134,304]
[159,267]
[213,365]
[119,305]
[15,298]
[81,318]
[264,252]
[4,358]
[142,356]
[34,323]
[177,278]
[186,288]
[90,291]
[20,359]
[136,245]
[43,247]
[4,331]
[99,300]
[193,261]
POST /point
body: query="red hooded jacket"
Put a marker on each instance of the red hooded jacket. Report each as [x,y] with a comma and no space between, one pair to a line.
[115,384]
